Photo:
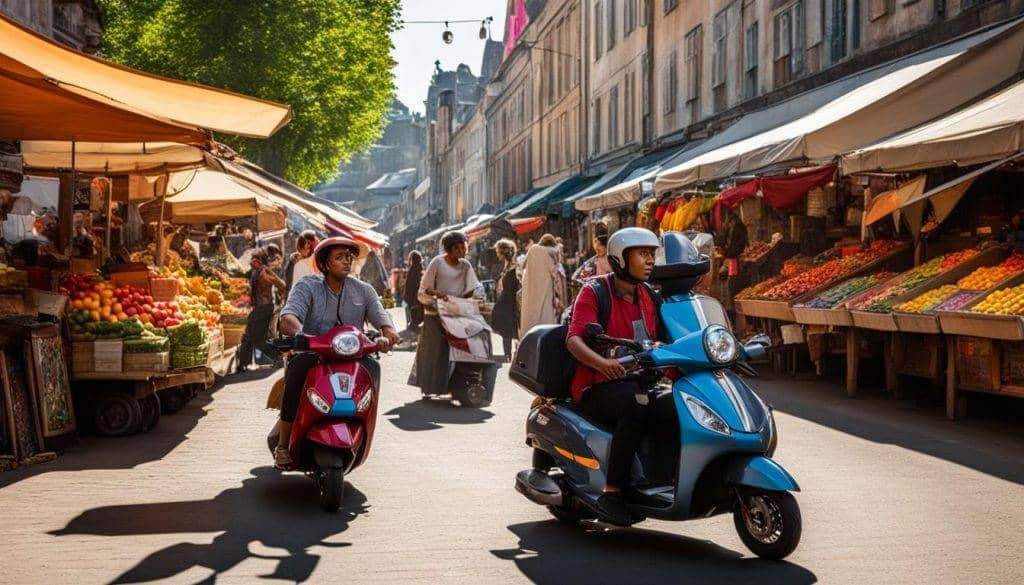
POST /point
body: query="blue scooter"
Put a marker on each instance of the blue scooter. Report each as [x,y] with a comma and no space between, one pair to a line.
[709,452]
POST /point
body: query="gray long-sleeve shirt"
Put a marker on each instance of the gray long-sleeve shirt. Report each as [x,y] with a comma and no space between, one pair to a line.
[316,306]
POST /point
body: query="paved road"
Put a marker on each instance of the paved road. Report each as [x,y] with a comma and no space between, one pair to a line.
[892,494]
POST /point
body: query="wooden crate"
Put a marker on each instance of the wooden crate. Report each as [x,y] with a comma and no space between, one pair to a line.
[873,321]
[965,322]
[233,335]
[977,363]
[918,355]
[778,310]
[83,359]
[917,322]
[108,355]
[836,316]
[792,334]
[147,362]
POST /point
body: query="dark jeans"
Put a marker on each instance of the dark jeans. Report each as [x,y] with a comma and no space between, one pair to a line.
[506,345]
[614,404]
[255,337]
[295,372]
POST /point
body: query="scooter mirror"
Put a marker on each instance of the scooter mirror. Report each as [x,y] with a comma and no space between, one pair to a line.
[593,330]
[760,339]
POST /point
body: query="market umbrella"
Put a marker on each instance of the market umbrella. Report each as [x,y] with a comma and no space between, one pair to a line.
[206,196]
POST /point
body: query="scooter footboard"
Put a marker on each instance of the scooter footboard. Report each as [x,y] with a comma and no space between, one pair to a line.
[757,471]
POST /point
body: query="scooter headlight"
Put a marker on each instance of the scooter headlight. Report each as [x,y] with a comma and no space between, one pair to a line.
[345,344]
[706,417]
[318,403]
[719,344]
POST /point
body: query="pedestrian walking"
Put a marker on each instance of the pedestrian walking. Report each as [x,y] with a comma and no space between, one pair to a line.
[447,275]
[505,318]
[410,293]
[541,302]
[262,283]
[596,265]
[301,262]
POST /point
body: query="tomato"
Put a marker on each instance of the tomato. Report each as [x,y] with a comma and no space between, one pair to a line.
[148,308]
[148,299]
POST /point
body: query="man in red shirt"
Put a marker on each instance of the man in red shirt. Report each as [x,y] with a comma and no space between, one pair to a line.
[597,385]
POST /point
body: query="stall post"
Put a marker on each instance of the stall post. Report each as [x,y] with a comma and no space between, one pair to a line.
[107,200]
[160,242]
[66,205]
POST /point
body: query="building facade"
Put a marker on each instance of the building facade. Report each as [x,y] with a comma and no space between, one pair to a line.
[715,61]
[76,23]
[557,73]
[509,116]
[616,41]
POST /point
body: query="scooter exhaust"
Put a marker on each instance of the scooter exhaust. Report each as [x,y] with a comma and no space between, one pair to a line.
[539,488]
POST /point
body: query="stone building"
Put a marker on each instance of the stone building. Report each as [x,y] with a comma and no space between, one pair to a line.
[616,37]
[558,152]
[715,61]
[76,23]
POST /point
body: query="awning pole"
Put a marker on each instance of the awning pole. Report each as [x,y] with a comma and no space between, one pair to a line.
[106,207]
[160,244]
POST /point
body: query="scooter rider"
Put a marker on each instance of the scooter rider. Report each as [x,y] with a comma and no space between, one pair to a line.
[317,303]
[597,385]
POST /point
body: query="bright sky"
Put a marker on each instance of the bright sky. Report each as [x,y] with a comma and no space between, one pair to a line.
[417,46]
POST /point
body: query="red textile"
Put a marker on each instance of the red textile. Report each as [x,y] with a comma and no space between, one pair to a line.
[660,212]
[786,191]
[620,324]
[733,197]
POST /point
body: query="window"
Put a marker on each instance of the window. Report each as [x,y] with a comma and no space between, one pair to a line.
[669,84]
[720,32]
[835,29]
[522,110]
[629,109]
[595,131]
[612,120]
[693,67]
[789,44]
[549,63]
[610,15]
[750,57]
[629,16]
[670,5]
[598,30]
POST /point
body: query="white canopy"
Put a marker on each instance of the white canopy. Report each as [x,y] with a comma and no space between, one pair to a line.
[856,111]
[111,157]
[988,130]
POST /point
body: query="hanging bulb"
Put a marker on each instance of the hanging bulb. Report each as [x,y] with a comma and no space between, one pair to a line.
[447,36]
[483,29]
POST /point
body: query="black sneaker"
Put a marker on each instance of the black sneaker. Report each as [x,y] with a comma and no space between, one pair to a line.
[612,508]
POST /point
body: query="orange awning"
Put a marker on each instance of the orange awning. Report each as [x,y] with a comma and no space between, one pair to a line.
[36,109]
[528,224]
[30,55]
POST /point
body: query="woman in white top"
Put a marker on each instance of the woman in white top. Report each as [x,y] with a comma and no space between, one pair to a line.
[449,274]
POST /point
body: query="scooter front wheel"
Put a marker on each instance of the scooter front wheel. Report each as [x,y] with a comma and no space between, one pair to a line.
[768,523]
[331,485]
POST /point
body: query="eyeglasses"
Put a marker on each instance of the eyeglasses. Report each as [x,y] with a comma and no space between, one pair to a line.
[344,257]
[646,253]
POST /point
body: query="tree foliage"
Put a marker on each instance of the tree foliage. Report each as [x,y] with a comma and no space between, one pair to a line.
[330,60]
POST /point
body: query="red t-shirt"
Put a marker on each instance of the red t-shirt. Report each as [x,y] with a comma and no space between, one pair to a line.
[620,324]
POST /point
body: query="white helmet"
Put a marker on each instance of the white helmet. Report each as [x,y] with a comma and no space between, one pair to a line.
[621,241]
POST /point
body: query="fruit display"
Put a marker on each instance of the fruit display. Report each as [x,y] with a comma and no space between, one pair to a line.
[1005,301]
[955,258]
[847,289]
[756,290]
[755,251]
[881,300]
[12,279]
[987,277]
[831,271]
[188,334]
[927,302]
[184,356]
[958,301]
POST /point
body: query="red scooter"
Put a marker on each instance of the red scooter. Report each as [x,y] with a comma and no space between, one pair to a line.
[333,428]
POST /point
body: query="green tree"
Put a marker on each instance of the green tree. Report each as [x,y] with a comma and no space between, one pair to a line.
[330,60]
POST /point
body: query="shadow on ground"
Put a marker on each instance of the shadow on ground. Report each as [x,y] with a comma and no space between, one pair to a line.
[92,452]
[276,510]
[991,445]
[554,553]
[428,415]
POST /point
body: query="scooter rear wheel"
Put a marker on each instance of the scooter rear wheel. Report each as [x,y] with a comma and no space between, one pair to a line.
[331,485]
[768,523]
